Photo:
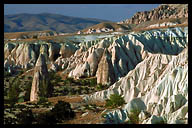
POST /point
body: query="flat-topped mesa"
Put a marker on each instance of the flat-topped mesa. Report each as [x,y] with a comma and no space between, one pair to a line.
[40,84]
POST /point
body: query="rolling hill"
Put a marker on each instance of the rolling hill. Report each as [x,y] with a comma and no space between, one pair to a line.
[46,21]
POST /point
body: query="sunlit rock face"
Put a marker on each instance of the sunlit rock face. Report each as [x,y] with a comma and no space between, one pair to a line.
[160,80]
[164,11]
[124,53]
[105,73]
[40,79]
[150,65]
[25,55]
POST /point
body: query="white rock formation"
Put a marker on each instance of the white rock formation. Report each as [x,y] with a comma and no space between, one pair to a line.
[163,87]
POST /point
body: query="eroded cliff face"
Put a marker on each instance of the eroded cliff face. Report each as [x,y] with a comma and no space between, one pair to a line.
[149,69]
[161,82]
[84,60]
[124,53]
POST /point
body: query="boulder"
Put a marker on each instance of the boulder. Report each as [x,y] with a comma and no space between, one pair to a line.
[155,120]
[135,106]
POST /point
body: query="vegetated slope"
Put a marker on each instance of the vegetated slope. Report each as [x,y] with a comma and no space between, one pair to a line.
[46,21]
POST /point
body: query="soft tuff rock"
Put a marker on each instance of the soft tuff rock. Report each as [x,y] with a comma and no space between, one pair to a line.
[40,79]
[162,87]
[164,11]
[135,106]
[105,73]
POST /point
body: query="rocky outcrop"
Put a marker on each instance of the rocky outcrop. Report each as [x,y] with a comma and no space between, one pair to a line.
[162,25]
[67,50]
[7,49]
[98,30]
[25,55]
[124,53]
[54,50]
[164,11]
[105,72]
[40,84]
[162,88]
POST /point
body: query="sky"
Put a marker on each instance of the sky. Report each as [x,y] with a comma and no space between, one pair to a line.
[111,12]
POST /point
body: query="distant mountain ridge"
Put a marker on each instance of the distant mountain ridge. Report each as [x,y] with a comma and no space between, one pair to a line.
[46,21]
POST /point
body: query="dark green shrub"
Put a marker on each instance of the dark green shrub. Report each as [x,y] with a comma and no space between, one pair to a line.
[21,99]
[6,74]
[133,117]
[27,88]
[115,101]
[62,111]
[14,91]
[29,77]
[42,100]
[93,82]
[10,120]
[99,87]
[45,118]
[54,78]
[70,80]
[25,117]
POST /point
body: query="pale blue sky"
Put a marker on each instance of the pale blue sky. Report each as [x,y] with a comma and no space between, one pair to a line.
[112,12]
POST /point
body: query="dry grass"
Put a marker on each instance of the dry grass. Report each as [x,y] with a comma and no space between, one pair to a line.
[90,118]
[11,35]
[70,99]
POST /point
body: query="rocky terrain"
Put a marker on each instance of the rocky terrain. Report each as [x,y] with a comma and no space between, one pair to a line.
[148,69]
[164,11]
[105,27]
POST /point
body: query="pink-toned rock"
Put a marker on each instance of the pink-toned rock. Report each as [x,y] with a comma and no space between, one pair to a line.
[105,72]
[40,79]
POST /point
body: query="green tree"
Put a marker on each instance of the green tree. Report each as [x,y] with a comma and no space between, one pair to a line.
[14,91]
[134,117]
[27,88]
[115,101]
